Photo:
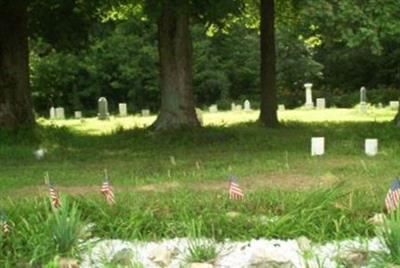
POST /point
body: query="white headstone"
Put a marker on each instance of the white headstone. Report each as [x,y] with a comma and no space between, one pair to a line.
[103,109]
[363,94]
[60,113]
[281,107]
[371,147]
[238,107]
[213,108]
[78,114]
[123,110]
[52,113]
[247,106]
[309,102]
[321,104]
[394,105]
[317,146]
[233,106]
[145,112]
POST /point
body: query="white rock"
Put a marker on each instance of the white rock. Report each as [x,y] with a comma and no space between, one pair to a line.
[201,265]
[262,257]
[161,255]
[353,258]
[304,243]
[255,253]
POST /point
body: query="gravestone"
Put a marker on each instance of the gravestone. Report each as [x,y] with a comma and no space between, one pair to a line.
[103,109]
[281,107]
[317,146]
[363,94]
[238,107]
[371,147]
[123,110]
[394,105]
[363,100]
[60,113]
[145,112]
[52,113]
[233,106]
[321,104]
[309,102]
[247,106]
[78,114]
[213,108]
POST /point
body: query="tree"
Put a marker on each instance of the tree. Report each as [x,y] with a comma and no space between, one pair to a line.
[268,114]
[15,99]
[175,54]
[63,24]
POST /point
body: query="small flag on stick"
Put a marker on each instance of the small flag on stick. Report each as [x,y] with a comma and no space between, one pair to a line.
[235,192]
[392,196]
[5,228]
[107,190]
[54,196]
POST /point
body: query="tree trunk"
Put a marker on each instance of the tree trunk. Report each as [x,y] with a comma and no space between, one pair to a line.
[397,117]
[175,52]
[268,114]
[15,97]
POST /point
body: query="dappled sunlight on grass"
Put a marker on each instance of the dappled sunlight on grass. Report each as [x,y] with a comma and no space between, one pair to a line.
[93,126]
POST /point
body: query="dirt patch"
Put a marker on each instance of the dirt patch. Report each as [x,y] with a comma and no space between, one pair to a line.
[275,181]
[272,181]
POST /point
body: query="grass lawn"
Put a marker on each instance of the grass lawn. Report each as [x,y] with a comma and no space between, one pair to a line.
[78,151]
[167,184]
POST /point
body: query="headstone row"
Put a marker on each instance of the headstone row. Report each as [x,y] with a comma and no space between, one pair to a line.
[103,113]
[318,146]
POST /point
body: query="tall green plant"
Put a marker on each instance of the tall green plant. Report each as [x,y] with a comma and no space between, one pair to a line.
[66,228]
[391,236]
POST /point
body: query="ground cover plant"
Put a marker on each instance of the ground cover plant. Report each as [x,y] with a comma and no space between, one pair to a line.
[287,192]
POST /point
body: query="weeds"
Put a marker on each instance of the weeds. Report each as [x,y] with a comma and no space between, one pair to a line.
[66,228]
[201,251]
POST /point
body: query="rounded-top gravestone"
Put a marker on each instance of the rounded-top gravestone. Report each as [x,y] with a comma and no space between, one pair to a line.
[363,94]
[247,106]
[103,109]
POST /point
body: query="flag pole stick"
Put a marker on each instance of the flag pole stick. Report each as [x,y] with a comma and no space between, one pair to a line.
[105,174]
[46,178]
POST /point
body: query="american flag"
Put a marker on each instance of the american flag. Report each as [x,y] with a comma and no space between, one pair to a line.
[392,196]
[5,228]
[55,198]
[235,192]
[107,190]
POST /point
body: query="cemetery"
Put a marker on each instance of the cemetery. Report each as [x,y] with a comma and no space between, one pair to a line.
[199,134]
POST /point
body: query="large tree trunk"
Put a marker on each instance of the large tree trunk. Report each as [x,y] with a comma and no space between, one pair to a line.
[175,52]
[15,97]
[268,114]
[397,117]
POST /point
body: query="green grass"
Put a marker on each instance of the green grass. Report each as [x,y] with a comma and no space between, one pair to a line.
[158,199]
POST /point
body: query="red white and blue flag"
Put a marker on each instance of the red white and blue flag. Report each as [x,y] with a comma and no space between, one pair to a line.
[54,196]
[235,192]
[393,196]
[107,190]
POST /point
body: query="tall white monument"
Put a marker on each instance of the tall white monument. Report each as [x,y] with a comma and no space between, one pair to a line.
[309,102]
